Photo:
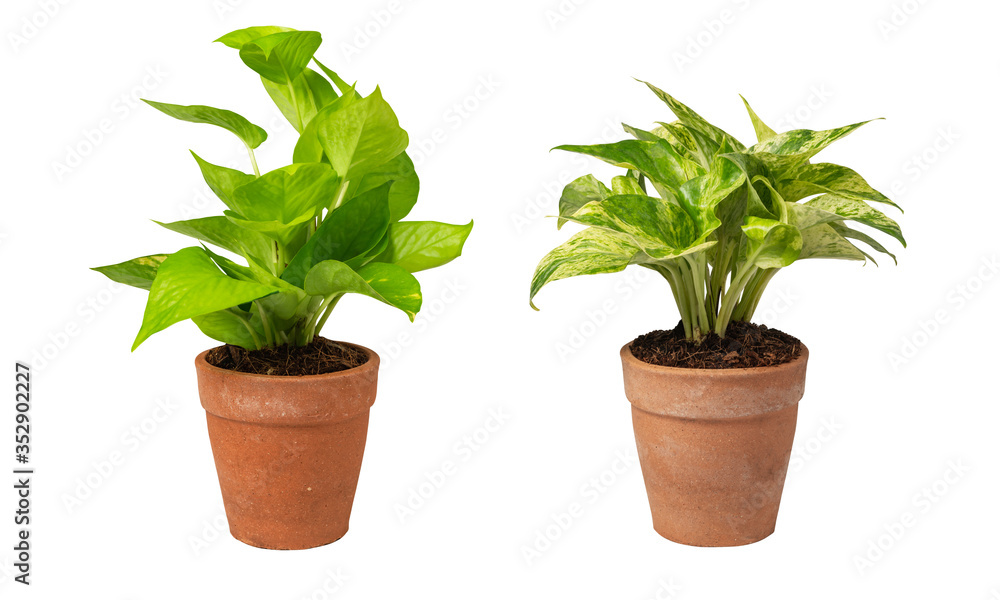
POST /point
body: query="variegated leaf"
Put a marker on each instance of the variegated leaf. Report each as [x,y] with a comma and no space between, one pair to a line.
[578,192]
[822,241]
[804,143]
[772,244]
[656,160]
[857,210]
[590,252]
[804,216]
[760,128]
[821,178]
[693,120]
[758,205]
[854,234]
[624,184]
[660,228]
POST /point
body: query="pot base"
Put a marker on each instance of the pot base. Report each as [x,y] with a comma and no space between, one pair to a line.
[715,483]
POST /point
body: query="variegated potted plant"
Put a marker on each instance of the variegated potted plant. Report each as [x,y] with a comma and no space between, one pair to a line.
[714,401]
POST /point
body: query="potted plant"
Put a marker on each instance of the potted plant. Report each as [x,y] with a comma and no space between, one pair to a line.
[287,409]
[714,400]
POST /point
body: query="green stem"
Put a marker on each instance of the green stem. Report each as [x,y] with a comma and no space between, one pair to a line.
[732,296]
[246,323]
[264,323]
[326,315]
[753,294]
[696,266]
[674,275]
[253,161]
[338,199]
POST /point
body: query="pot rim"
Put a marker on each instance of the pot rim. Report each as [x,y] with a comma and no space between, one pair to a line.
[626,354]
[713,393]
[372,362]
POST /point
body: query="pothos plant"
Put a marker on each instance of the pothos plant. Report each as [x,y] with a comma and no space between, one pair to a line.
[722,220]
[328,224]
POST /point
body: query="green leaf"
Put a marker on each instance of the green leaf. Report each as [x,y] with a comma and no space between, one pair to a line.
[340,83]
[760,128]
[280,57]
[656,160]
[138,272]
[279,201]
[578,192]
[803,144]
[308,148]
[812,179]
[222,180]
[823,241]
[590,252]
[249,134]
[237,39]
[661,229]
[772,244]
[420,245]
[390,284]
[360,136]
[230,268]
[693,121]
[302,99]
[404,190]
[189,284]
[226,235]
[228,328]
[856,210]
[345,233]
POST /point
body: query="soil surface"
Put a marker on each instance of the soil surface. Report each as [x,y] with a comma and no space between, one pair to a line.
[745,345]
[320,356]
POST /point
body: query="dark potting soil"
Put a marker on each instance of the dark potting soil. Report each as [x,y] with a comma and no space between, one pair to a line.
[320,356]
[745,345]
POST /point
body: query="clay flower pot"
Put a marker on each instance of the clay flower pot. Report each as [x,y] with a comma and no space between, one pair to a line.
[288,450]
[714,446]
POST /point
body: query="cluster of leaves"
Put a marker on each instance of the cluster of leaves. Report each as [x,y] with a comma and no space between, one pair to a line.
[310,232]
[724,218]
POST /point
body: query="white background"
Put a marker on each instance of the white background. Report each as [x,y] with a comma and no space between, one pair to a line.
[874,431]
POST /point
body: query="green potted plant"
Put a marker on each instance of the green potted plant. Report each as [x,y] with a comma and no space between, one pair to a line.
[287,409]
[714,401]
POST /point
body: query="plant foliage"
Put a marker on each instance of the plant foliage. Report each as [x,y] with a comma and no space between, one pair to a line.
[328,224]
[715,218]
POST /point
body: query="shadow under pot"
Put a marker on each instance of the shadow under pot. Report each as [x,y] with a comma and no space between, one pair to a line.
[288,450]
[714,446]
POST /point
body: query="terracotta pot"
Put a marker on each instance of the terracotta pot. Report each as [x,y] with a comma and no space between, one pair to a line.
[288,450]
[714,446]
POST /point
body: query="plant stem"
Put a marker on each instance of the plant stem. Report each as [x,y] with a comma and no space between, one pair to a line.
[246,323]
[264,323]
[752,295]
[696,267]
[732,296]
[673,274]
[326,315]
[253,161]
[338,199]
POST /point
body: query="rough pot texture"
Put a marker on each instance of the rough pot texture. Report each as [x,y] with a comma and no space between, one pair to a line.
[714,446]
[288,450]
